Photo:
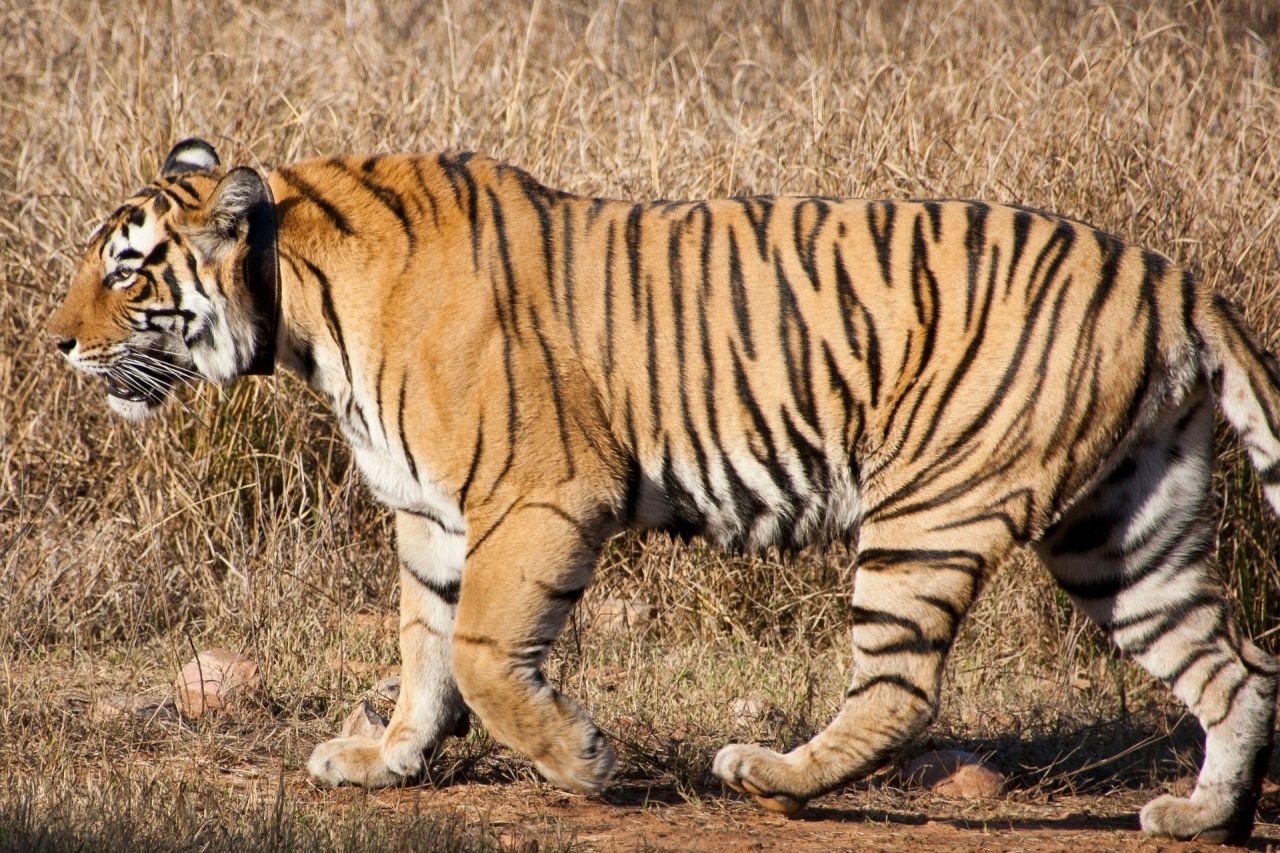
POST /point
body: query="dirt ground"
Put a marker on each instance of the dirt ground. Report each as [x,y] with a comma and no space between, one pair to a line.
[634,816]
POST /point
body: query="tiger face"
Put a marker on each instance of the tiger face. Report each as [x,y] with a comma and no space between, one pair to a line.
[177,285]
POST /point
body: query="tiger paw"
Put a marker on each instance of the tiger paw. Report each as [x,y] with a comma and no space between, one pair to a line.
[1185,820]
[351,761]
[405,752]
[586,770]
[754,770]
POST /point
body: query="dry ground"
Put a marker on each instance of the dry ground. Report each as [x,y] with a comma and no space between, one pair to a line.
[239,522]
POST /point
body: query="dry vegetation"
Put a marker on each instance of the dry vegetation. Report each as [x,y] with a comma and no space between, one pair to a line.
[240,521]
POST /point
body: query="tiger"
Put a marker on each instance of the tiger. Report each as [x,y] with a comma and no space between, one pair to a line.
[522,372]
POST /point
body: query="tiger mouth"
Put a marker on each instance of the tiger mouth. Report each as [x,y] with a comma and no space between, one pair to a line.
[139,383]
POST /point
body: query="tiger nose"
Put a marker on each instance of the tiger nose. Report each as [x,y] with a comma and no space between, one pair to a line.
[66,345]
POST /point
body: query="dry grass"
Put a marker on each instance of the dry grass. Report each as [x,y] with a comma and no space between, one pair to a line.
[241,522]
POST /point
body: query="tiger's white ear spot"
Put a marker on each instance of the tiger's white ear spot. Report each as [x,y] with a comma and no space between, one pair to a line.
[190,155]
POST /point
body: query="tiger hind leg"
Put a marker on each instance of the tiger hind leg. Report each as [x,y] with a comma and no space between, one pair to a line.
[1134,555]
[907,605]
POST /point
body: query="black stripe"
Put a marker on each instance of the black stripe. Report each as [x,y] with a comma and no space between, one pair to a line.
[1021,229]
[836,382]
[975,242]
[882,235]
[404,440]
[557,398]
[569,596]
[456,168]
[583,530]
[759,220]
[793,333]
[387,197]
[446,591]
[538,202]
[675,280]
[1062,240]
[771,463]
[869,616]
[914,646]
[966,361]
[848,301]
[331,317]
[881,559]
[474,640]
[651,355]
[1232,692]
[924,296]
[632,240]
[416,164]
[934,211]
[513,417]
[806,244]
[608,299]
[427,514]
[504,254]
[377,391]
[311,194]
[631,491]
[897,681]
[566,269]
[492,528]
[1118,582]
[688,518]
[476,453]
[738,297]
[194,272]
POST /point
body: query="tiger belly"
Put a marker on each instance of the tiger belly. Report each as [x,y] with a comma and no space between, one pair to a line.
[739,506]
[396,487]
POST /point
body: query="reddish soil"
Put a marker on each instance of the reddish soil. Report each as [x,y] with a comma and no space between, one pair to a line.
[640,817]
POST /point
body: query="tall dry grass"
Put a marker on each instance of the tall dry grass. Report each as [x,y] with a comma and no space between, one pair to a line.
[239,518]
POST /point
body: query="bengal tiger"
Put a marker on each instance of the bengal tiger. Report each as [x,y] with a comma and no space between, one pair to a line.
[522,372]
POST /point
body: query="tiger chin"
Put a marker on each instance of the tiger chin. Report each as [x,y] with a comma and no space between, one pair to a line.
[521,373]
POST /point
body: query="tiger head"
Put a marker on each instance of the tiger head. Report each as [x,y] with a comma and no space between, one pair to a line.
[180,283]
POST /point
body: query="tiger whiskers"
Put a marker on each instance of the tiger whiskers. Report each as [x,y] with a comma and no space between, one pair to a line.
[132,375]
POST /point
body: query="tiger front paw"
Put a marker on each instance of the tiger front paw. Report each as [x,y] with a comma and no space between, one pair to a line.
[586,769]
[351,761]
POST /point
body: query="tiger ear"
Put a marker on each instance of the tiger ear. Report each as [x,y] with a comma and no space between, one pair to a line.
[190,155]
[239,195]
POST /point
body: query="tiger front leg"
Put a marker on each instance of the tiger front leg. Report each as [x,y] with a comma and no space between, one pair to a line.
[429,707]
[526,571]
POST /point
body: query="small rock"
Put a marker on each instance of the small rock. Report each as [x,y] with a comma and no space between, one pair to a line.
[955,774]
[616,614]
[388,689]
[216,679]
[748,709]
[752,711]
[363,721]
[120,705]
